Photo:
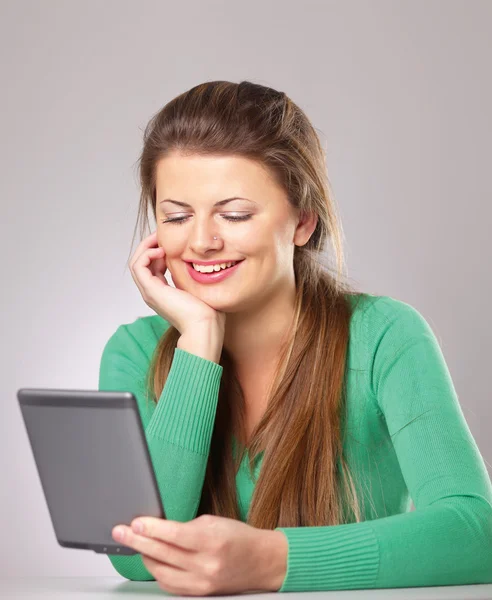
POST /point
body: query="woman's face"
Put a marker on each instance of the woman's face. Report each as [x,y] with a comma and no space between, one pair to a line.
[264,240]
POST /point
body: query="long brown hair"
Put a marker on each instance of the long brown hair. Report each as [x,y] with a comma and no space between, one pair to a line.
[304,479]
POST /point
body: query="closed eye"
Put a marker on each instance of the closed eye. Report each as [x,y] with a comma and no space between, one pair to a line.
[179,220]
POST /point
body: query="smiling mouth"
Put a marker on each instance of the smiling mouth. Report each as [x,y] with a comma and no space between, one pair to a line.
[212,276]
[214,270]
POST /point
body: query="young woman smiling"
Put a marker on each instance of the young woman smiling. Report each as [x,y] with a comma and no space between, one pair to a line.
[291,420]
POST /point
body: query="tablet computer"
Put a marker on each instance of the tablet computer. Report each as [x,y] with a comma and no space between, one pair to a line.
[93,461]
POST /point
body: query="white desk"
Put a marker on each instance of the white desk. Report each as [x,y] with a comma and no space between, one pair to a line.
[106,588]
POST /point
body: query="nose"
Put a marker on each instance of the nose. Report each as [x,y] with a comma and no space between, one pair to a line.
[204,237]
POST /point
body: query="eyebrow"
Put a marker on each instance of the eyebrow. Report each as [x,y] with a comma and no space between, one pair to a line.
[220,203]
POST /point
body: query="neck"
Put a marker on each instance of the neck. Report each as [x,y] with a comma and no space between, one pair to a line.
[254,337]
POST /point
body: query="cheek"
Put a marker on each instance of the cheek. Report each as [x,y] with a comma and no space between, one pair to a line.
[169,242]
[249,241]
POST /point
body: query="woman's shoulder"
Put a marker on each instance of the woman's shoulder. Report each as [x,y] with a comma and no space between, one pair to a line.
[375,315]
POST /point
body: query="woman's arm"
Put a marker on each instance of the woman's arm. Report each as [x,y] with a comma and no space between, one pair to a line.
[447,540]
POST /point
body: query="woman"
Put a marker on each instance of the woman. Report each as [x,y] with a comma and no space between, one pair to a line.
[291,420]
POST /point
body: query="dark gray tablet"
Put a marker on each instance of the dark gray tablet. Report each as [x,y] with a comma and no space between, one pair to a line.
[93,462]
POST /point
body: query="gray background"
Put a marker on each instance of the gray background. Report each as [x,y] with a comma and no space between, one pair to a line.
[400,93]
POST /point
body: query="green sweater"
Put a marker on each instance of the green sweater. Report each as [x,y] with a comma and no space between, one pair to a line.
[406,440]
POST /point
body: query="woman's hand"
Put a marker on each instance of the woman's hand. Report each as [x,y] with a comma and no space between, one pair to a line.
[209,555]
[180,308]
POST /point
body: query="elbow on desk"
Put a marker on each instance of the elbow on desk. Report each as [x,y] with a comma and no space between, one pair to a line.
[485,516]
[475,513]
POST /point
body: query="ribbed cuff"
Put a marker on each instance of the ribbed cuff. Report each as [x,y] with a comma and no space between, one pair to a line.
[339,557]
[185,412]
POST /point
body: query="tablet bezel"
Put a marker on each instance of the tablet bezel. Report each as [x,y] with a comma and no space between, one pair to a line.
[83,399]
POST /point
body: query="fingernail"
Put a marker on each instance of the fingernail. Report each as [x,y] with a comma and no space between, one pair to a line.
[137,526]
[118,533]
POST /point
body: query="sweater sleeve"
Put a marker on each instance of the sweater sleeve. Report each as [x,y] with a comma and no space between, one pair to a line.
[447,540]
[178,429]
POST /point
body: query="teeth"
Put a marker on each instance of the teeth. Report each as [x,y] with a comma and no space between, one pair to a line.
[212,268]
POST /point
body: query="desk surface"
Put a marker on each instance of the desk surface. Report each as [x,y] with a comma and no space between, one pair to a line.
[105,588]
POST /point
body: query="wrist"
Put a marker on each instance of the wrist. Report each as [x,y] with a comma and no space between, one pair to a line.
[205,341]
[274,553]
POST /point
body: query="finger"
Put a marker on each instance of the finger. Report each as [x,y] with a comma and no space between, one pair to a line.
[157,549]
[185,535]
[148,242]
[145,275]
[158,268]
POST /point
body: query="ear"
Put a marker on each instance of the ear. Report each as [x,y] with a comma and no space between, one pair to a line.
[305,227]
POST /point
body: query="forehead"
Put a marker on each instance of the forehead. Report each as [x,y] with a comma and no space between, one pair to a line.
[212,175]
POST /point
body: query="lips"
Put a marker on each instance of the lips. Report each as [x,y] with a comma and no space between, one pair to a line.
[215,276]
